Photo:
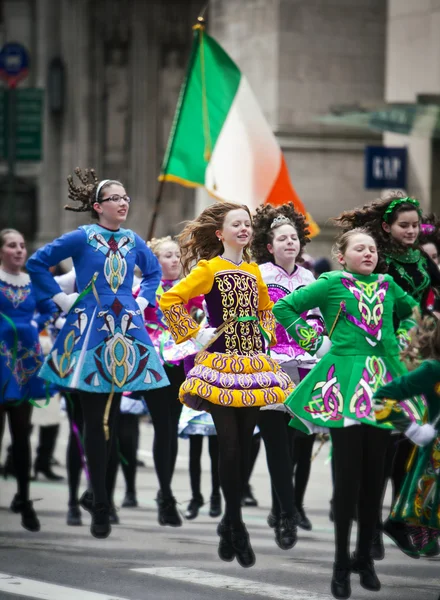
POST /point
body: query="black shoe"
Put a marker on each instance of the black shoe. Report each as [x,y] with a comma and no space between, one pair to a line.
[272,519]
[225,550]
[398,532]
[303,520]
[368,577]
[100,527]
[86,501]
[113,515]
[377,547]
[47,472]
[286,534]
[74,516]
[248,498]
[215,505]
[340,585]
[130,500]
[242,546]
[29,519]
[140,463]
[193,507]
[167,511]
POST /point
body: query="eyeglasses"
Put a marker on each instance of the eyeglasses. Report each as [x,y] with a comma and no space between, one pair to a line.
[116,199]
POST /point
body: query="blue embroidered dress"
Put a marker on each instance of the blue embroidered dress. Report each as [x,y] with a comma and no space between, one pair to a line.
[103,345]
[20,351]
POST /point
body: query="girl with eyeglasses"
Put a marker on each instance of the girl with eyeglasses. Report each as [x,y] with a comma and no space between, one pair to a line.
[103,348]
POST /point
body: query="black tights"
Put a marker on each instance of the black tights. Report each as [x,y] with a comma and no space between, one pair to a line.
[195,455]
[273,429]
[235,427]
[128,438]
[398,453]
[100,453]
[20,429]
[301,447]
[165,409]
[359,459]
[73,454]
[124,451]
[255,450]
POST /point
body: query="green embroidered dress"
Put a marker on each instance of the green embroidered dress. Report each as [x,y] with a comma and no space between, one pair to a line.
[416,273]
[364,354]
[419,500]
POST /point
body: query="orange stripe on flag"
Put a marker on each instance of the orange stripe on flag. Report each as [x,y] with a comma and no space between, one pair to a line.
[283,192]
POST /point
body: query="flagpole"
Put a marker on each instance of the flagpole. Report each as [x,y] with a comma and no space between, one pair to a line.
[160,188]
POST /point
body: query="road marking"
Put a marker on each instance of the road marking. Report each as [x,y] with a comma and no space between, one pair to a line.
[47,591]
[233,584]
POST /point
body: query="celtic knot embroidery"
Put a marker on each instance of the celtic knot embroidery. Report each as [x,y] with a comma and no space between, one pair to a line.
[403,338]
[15,295]
[180,324]
[374,376]
[115,249]
[20,369]
[268,322]
[327,404]
[370,298]
[239,298]
[307,337]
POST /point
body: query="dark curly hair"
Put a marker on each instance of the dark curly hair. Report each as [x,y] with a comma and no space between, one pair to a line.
[85,194]
[264,233]
[371,216]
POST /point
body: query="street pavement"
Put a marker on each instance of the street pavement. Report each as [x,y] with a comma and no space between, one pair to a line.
[143,561]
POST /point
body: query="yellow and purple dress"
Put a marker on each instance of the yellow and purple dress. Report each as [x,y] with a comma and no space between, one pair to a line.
[235,371]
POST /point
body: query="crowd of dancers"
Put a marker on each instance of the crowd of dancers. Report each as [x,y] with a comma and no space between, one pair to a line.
[224,333]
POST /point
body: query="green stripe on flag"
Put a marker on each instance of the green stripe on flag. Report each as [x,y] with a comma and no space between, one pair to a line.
[205,100]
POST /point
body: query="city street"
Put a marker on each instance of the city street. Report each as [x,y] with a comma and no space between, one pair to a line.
[141,560]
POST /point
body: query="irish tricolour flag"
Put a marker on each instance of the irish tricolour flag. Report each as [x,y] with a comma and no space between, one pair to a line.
[220,139]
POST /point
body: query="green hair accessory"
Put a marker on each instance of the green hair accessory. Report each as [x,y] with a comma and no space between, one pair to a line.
[398,202]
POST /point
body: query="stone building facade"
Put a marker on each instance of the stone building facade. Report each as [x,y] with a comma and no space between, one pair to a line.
[124,61]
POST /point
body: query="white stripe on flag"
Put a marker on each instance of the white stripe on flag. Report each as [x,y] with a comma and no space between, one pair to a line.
[41,590]
[232,584]
[246,159]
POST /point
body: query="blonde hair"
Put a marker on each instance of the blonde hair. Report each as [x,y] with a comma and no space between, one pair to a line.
[424,343]
[341,244]
[5,232]
[155,243]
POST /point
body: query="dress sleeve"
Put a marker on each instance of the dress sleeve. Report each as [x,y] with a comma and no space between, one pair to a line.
[43,282]
[288,312]
[48,311]
[265,305]
[411,384]
[404,306]
[172,303]
[150,269]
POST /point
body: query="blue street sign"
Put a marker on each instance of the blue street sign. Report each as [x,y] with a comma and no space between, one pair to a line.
[385,167]
[14,63]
